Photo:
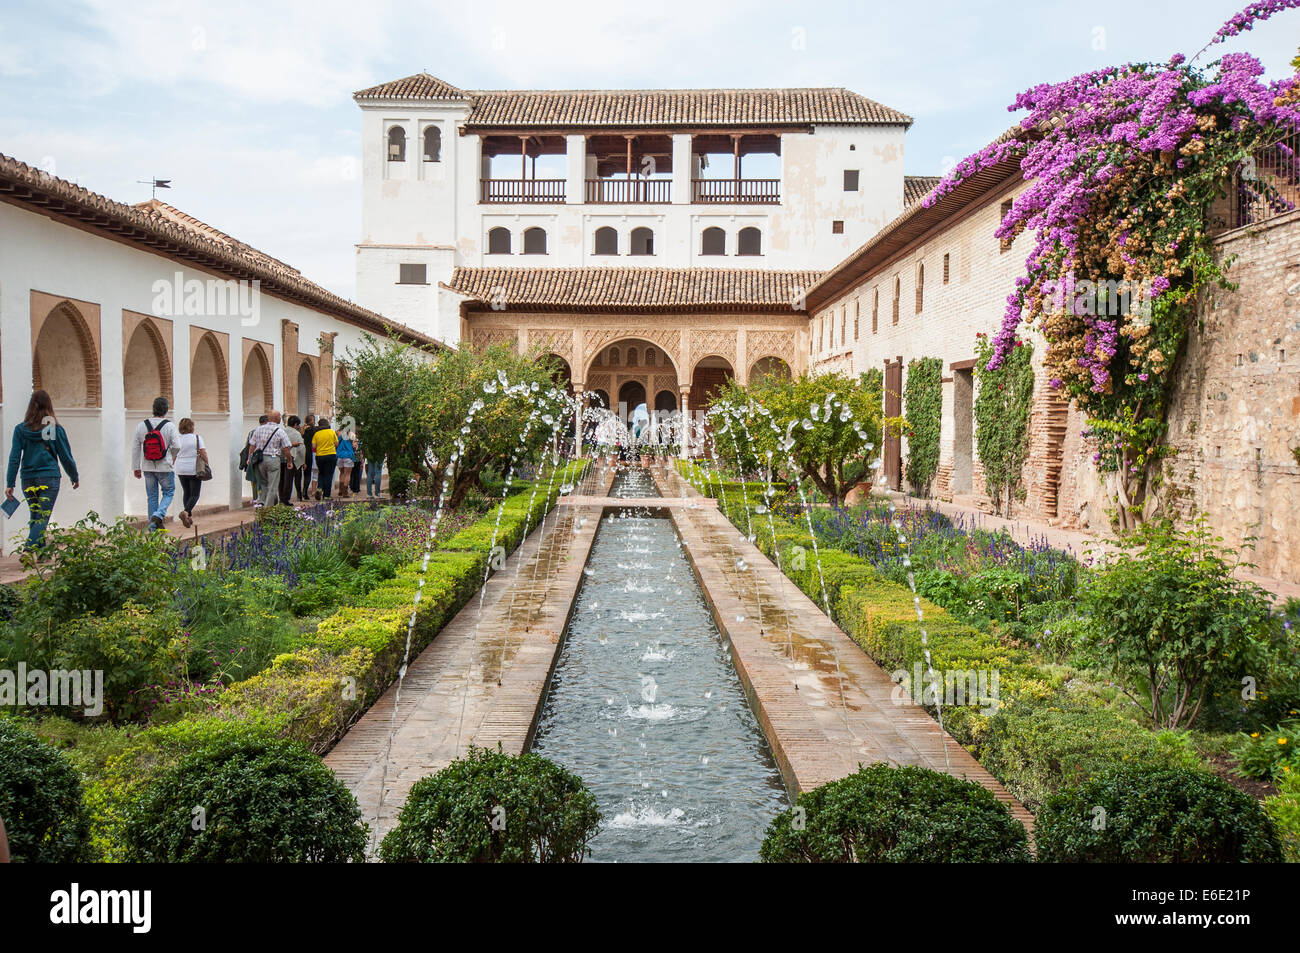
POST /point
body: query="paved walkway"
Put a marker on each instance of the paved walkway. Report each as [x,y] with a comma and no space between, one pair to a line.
[824,705]
[482,679]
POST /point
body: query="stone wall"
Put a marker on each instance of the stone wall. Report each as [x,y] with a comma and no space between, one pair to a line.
[1234,418]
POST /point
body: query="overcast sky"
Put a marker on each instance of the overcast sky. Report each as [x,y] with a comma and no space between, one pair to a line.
[246,106]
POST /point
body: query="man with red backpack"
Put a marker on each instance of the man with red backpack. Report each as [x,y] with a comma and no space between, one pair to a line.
[156,444]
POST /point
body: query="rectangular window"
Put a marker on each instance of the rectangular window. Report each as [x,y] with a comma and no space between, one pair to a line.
[850,180]
[837,227]
[412,275]
[945,268]
[1006,210]
[875,311]
[857,316]
[920,286]
[898,292]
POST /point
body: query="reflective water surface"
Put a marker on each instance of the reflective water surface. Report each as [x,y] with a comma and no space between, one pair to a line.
[646,707]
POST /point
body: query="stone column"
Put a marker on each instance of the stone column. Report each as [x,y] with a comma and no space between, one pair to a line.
[688,431]
[325,396]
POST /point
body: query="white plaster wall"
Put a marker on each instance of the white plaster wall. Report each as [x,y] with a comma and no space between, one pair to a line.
[415,211]
[39,254]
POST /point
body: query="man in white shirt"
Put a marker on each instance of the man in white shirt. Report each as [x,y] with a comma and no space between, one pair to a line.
[152,455]
[274,445]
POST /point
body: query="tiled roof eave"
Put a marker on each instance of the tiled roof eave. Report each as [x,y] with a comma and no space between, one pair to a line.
[26,187]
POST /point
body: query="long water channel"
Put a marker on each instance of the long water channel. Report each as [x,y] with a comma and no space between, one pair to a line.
[646,707]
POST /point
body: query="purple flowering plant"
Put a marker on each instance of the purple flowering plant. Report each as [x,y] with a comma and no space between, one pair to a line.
[1124,165]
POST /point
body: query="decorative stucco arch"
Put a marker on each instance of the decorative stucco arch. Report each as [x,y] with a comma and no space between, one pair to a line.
[61,335]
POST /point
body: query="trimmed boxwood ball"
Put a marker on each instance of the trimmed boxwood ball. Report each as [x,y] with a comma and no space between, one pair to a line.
[1155,815]
[262,800]
[896,815]
[40,799]
[491,807]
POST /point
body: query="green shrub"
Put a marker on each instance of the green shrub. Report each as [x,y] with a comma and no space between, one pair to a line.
[1038,750]
[139,651]
[496,808]
[268,801]
[1170,617]
[238,622]
[41,802]
[96,570]
[1145,814]
[1284,809]
[1270,754]
[896,815]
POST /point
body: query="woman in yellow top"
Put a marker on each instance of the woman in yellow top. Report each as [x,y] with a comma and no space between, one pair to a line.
[324,444]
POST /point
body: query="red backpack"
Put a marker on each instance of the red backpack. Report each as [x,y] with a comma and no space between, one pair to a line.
[155,448]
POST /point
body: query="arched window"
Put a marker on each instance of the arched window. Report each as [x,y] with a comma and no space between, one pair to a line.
[649,357]
[643,242]
[396,144]
[714,242]
[613,355]
[432,144]
[534,241]
[631,357]
[499,241]
[749,242]
[606,241]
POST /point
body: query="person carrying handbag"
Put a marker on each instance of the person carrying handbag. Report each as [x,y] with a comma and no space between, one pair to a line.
[268,451]
[192,468]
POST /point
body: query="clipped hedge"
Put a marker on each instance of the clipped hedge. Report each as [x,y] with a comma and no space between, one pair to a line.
[246,800]
[313,694]
[1039,740]
[1144,814]
[896,815]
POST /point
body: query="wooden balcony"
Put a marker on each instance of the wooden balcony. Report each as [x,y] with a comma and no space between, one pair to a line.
[521,191]
[736,191]
[629,191]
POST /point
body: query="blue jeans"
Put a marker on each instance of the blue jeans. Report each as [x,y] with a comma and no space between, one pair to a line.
[374,476]
[155,481]
[40,495]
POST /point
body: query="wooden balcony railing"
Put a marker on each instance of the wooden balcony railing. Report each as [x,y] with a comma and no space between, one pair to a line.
[736,191]
[629,191]
[521,191]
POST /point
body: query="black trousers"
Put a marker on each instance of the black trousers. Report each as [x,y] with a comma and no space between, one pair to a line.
[325,467]
[303,478]
[190,487]
[288,480]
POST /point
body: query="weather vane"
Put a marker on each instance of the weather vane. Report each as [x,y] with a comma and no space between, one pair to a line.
[155,185]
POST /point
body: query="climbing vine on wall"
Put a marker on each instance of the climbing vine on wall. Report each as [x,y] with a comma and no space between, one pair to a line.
[923,408]
[1124,165]
[1002,401]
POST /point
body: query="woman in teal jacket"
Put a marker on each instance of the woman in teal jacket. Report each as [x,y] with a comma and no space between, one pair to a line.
[38,450]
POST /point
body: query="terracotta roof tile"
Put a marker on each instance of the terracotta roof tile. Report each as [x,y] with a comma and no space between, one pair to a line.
[162,230]
[631,289]
[647,107]
[917,187]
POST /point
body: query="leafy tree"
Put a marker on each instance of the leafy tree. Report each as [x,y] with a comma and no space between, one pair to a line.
[824,423]
[1002,404]
[413,410]
[923,408]
[1170,617]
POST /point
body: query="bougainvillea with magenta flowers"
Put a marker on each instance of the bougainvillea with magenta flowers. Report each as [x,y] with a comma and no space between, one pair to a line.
[1124,165]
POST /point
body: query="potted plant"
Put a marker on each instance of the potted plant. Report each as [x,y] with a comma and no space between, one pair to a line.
[857,476]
